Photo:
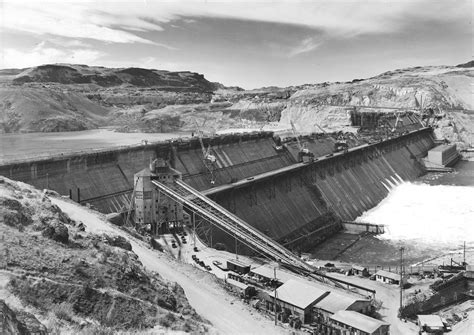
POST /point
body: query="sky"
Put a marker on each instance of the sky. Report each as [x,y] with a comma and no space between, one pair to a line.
[240,43]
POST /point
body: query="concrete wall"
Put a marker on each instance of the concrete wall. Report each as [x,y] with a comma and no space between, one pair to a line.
[298,208]
[105,178]
[301,208]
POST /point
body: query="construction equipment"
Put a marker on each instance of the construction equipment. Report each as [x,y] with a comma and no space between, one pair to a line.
[341,143]
[397,122]
[209,159]
[230,223]
[304,155]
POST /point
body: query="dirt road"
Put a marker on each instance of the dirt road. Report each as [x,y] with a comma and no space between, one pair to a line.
[227,314]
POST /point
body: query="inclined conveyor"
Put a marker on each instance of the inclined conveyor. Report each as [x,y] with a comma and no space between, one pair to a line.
[232,224]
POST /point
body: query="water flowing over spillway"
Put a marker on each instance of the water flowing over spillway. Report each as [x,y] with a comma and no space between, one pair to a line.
[435,215]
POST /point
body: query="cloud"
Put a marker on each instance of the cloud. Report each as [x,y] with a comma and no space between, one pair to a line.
[122,21]
[306,45]
[42,54]
[75,20]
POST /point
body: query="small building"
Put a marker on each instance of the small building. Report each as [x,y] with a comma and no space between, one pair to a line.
[350,322]
[245,289]
[360,271]
[297,298]
[238,266]
[443,155]
[340,301]
[430,324]
[389,277]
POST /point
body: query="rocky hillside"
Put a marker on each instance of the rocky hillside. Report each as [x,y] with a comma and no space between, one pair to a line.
[51,98]
[57,278]
[73,97]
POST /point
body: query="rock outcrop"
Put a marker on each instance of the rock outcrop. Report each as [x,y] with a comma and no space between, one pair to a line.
[90,281]
[69,97]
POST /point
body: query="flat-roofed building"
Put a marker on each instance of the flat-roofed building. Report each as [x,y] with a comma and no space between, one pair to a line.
[443,155]
[297,298]
[238,266]
[350,322]
[431,324]
[389,277]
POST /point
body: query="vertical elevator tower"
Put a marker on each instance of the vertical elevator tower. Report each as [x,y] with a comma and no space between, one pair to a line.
[154,211]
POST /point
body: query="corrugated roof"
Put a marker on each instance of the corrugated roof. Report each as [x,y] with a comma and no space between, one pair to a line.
[358,321]
[268,272]
[336,301]
[431,320]
[299,294]
[387,274]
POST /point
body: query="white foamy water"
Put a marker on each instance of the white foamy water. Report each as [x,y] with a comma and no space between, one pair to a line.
[438,214]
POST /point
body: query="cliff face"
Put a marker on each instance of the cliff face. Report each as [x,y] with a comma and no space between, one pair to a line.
[76,97]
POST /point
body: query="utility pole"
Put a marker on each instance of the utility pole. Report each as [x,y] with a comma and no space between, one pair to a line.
[275,294]
[401,278]
[194,230]
[236,255]
[464,255]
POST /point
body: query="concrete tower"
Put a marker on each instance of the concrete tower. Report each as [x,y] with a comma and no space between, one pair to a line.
[154,211]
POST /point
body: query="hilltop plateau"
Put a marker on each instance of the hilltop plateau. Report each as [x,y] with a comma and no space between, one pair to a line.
[76,97]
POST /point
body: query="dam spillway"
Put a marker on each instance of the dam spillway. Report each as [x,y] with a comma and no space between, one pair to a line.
[293,203]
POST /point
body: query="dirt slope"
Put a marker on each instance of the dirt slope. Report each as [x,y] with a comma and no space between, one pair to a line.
[40,109]
[75,281]
[227,314]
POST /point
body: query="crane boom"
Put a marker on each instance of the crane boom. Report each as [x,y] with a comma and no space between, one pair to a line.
[296,135]
[317,125]
[209,159]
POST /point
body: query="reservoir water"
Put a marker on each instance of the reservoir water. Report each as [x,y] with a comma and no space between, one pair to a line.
[36,145]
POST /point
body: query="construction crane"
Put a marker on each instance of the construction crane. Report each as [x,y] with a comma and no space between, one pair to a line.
[341,143]
[304,155]
[209,159]
[397,121]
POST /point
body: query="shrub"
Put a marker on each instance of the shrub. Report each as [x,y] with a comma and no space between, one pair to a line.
[167,320]
[63,311]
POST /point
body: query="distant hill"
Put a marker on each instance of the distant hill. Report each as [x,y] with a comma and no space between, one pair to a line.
[68,97]
[468,64]
[63,97]
[105,77]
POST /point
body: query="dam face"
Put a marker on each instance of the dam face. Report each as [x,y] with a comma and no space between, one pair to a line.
[295,204]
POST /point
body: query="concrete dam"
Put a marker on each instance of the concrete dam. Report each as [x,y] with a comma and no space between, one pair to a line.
[296,204]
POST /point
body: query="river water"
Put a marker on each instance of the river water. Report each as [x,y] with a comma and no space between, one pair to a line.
[434,213]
